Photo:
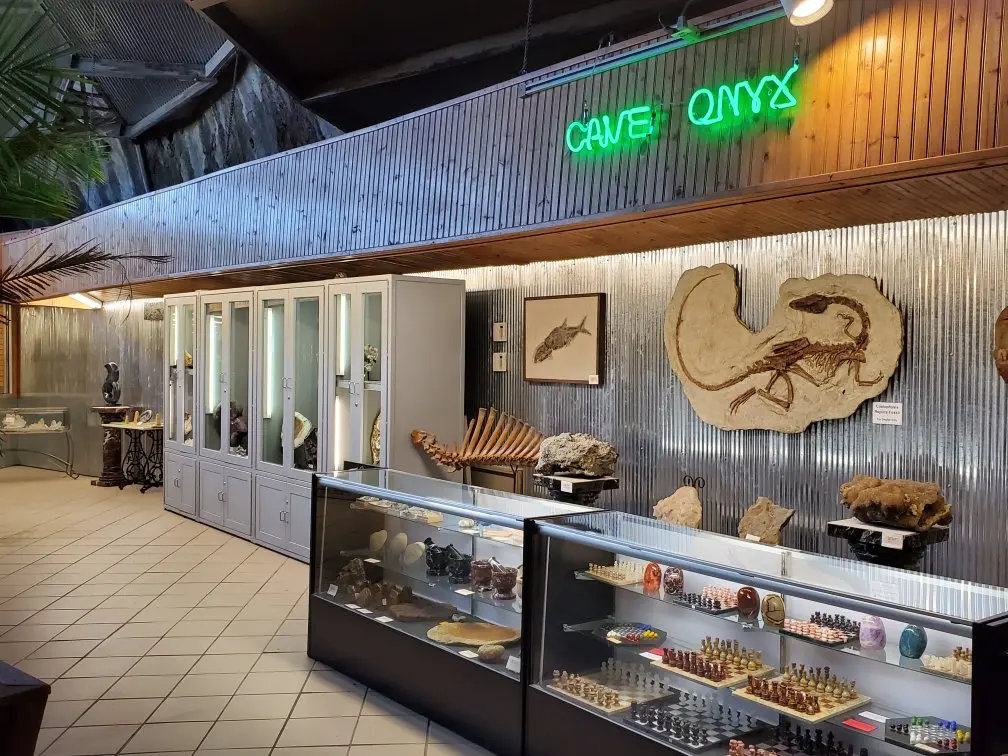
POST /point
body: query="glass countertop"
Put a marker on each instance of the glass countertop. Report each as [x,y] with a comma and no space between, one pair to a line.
[445,495]
[956,601]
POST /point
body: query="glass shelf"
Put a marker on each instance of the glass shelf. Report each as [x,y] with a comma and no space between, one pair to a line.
[889,655]
[419,630]
[449,523]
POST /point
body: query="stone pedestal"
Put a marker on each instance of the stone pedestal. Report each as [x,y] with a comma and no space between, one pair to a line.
[111,474]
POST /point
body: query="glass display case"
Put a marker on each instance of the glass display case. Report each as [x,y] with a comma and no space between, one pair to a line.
[225,370]
[40,422]
[650,638]
[180,373]
[289,381]
[417,590]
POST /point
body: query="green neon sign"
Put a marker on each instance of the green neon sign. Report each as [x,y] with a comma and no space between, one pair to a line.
[707,108]
[606,133]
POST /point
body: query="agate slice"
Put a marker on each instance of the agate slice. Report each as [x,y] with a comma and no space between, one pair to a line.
[378,539]
[397,545]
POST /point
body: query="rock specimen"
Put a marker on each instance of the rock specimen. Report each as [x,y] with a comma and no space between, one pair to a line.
[873,634]
[576,454]
[1001,343]
[472,634]
[491,652]
[674,581]
[681,508]
[773,610]
[899,503]
[764,519]
[913,641]
[748,602]
[831,343]
[492,438]
[652,578]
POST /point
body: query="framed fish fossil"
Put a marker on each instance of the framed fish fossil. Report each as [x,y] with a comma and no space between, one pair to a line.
[563,338]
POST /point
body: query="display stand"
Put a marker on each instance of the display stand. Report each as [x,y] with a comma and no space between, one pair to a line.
[574,490]
[111,474]
[891,547]
[142,464]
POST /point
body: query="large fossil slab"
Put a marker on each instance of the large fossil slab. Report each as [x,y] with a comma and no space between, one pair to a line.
[831,343]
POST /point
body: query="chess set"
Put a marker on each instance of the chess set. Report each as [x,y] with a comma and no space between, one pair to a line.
[718,664]
[620,574]
[787,743]
[810,696]
[929,734]
[687,723]
[630,634]
[834,631]
[711,600]
[614,688]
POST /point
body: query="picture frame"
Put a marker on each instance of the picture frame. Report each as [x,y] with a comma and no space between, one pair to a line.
[563,339]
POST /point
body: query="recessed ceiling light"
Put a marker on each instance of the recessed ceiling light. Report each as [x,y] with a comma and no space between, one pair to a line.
[87,300]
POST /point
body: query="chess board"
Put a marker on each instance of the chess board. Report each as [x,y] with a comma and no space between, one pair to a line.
[829,706]
[699,608]
[632,580]
[719,729]
[736,675]
[904,740]
[628,692]
[851,640]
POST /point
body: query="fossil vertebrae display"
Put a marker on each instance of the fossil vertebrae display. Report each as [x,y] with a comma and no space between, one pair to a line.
[492,438]
[831,343]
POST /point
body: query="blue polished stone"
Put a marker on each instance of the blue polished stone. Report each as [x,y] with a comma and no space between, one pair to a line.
[912,642]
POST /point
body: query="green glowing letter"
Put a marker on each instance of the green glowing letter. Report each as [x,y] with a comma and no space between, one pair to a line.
[781,99]
[601,133]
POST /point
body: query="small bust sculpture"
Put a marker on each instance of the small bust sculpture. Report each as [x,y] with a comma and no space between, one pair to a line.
[110,388]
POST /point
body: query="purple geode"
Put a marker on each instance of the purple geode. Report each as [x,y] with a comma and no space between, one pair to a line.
[872,633]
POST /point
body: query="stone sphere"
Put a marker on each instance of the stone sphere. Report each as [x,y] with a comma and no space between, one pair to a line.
[913,640]
[773,610]
[748,602]
[873,633]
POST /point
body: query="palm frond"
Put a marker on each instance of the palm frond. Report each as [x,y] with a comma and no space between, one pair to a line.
[31,277]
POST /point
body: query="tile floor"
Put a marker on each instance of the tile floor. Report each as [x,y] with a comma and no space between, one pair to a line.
[162,636]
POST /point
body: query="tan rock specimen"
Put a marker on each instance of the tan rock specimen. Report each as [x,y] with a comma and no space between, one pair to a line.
[1001,343]
[681,508]
[831,343]
[473,634]
[576,454]
[899,503]
[766,520]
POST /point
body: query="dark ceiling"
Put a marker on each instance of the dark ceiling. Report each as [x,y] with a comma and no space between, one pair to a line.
[361,62]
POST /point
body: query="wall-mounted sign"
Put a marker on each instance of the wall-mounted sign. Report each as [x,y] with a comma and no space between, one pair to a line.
[606,133]
[742,99]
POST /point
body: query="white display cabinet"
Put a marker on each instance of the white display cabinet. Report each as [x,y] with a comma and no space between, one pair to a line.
[395,364]
[180,483]
[180,363]
[283,516]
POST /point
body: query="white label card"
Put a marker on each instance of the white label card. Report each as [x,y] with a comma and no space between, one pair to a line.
[593,380]
[752,537]
[892,540]
[468,654]
[887,413]
[362,610]
[384,619]
[514,664]
[464,592]
[372,560]
[651,656]
[872,716]
[926,748]
[352,606]
[567,486]
[333,589]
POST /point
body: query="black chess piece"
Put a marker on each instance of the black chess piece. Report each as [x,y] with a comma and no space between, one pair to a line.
[748,721]
[829,741]
[864,752]
[720,710]
[850,749]
[818,739]
[840,748]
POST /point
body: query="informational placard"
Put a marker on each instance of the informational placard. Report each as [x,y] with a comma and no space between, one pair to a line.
[372,560]
[567,486]
[384,619]
[593,379]
[362,610]
[892,539]
[887,413]
[463,592]
[333,589]
[514,664]
[873,716]
[468,654]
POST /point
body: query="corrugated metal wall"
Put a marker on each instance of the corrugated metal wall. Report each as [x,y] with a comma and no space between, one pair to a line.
[495,161]
[947,276]
[62,359]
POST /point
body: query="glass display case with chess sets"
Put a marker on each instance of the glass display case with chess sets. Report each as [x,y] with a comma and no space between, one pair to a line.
[417,591]
[647,638]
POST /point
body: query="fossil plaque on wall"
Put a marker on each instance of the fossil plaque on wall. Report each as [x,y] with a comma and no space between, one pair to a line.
[831,343]
[1001,343]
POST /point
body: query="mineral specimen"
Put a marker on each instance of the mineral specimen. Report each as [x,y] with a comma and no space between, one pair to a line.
[873,634]
[748,602]
[1001,343]
[652,578]
[913,641]
[491,652]
[681,508]
[765,520]
[900,503]
[773,610]
[674,581]
[578,454]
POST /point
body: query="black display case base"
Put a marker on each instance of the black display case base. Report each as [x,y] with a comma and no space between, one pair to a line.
[868,543]
[470,699]
[571,489]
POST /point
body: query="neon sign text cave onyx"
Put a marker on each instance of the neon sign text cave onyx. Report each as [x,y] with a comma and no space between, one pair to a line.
[601,134]
[742,100]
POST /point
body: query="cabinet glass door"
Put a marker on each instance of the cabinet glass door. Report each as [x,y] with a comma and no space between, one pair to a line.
[171,419]
[272,406]
[307,330]
[214,415]
[346,443]
[372,322]
[188,344]
[237,376]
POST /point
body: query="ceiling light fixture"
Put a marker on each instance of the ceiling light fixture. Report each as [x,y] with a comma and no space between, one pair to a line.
[87,300]
[803,12]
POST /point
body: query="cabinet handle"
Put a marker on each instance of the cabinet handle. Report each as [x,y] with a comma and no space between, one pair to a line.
[220,496]
[282,518]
